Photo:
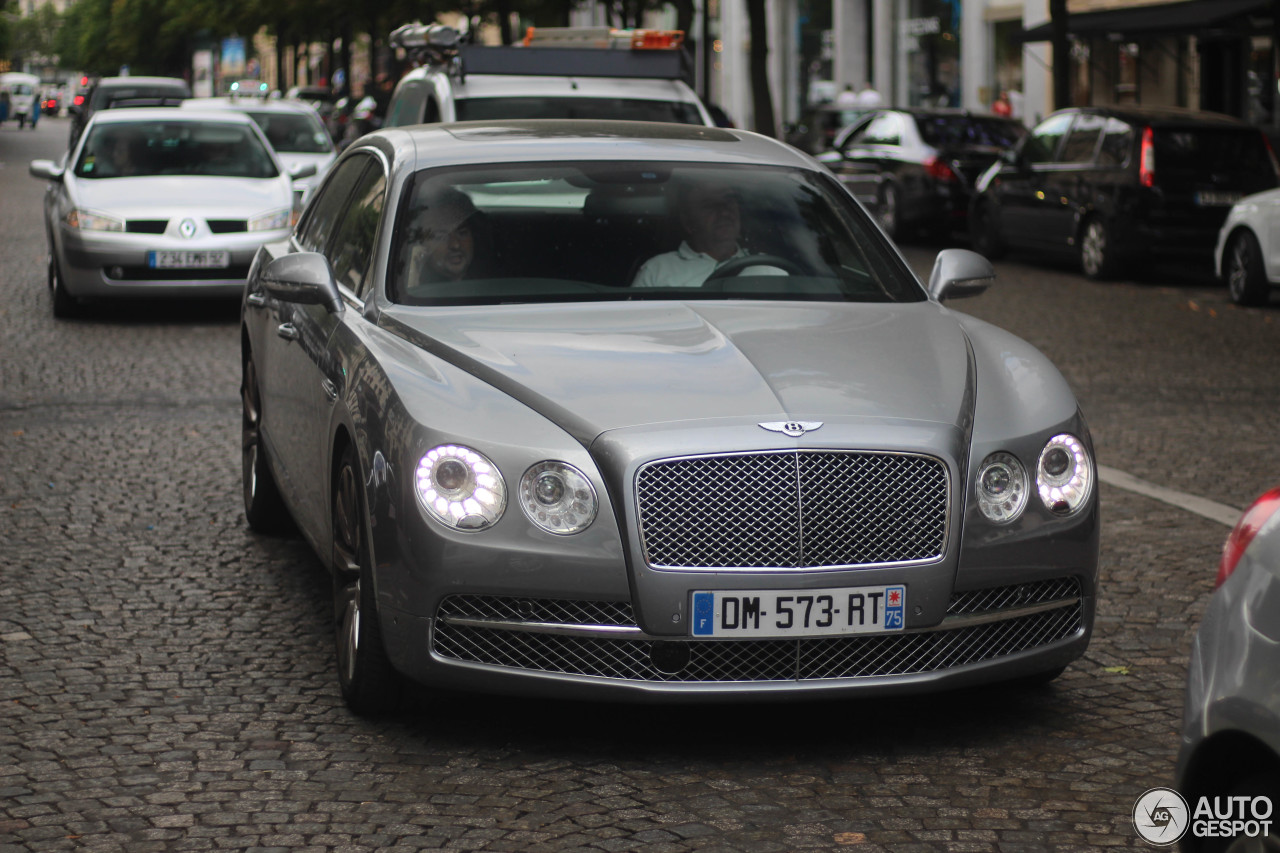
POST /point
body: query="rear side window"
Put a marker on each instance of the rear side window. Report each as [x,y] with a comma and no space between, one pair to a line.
[406,108]
[1042,145]
[1117,143]
[1082,141]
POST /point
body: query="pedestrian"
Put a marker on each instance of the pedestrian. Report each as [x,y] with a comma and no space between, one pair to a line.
[1001,106]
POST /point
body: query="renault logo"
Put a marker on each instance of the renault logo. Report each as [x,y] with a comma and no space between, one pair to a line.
[187,228]
[795,429]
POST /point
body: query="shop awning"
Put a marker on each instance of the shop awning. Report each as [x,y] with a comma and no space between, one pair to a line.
[1183,17]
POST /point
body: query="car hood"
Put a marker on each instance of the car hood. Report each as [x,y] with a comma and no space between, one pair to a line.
[151,197]
[600,367]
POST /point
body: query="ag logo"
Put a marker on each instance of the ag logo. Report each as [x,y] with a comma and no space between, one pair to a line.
[1161,816]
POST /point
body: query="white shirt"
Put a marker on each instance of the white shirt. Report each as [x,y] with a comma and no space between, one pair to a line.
[682,268]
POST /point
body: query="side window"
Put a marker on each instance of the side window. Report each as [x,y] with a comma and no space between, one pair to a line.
[1117,143]
[884,129]
[1082,141]
[406,105]
[433,112]
[322,214]
[1042,145]
[352,249]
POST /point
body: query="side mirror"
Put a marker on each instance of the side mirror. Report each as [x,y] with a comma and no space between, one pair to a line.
[46,169]
[304,278]
[958,273]
[302,170]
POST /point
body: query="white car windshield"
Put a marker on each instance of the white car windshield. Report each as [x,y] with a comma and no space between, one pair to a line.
[146,148]
[623,231]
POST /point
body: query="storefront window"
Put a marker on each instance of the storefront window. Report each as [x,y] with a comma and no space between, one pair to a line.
[931,44]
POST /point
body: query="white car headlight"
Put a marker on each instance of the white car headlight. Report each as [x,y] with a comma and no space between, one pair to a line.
[460,488]
[1002,487]
[87,220]
[558,498]
[272,221]
[1064,475]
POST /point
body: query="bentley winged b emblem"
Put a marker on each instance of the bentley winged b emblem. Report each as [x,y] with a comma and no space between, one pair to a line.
[795,429]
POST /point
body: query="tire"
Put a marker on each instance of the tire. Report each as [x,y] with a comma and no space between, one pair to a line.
[984,234]
[370,685]
[65,306]
[264,508]
[1097,254]
[887,212]
[1260,785]
[1243,269]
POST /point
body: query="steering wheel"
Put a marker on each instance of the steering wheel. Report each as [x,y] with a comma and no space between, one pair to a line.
[737,265]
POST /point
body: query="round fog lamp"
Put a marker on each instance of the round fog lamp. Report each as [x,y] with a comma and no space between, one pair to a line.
[1002,487]
[558,498]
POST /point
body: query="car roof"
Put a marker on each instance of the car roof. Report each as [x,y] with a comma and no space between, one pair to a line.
[137,114]
[1160,115]
[256,104]
[558,140]
[479,85]
[109,82]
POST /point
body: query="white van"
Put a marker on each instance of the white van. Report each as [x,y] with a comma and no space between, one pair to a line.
[21,91]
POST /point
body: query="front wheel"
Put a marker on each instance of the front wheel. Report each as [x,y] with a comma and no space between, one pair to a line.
[65,306]
[264,508]
[1097,253]
[369,683]
[1246,278]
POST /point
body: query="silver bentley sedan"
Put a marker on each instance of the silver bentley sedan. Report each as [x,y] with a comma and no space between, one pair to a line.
[159,202]
[653,412]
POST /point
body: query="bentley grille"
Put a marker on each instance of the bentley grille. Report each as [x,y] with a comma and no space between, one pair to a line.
[512,632]
[793,510]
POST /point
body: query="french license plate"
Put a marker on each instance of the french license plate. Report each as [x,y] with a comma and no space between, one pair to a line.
[1210,198]
[188,260]
[799,613]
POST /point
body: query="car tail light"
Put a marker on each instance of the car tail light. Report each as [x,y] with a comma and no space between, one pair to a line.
[1271,152]
[936,168]
[1147,159]
[1244,531]
[79,101]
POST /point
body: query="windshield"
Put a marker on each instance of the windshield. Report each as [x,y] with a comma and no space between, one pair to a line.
[624,231]
[138,149]
[293,133]
[942,131]
[599,109]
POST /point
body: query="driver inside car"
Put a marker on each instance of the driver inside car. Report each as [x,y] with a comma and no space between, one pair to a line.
[711,220]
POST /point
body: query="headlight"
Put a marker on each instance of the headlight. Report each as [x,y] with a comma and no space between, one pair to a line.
[87,220]
[272,221]
[1002,487]
[1064,474]
[460,488]
[558,498]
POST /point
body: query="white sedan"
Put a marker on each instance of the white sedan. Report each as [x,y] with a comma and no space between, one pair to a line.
[1247,257]
[162,202]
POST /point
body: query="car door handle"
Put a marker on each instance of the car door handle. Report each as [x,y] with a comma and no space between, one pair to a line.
[257,299]
[330,390]
[288,331]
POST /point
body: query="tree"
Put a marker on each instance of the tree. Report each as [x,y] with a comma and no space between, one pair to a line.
[761,97]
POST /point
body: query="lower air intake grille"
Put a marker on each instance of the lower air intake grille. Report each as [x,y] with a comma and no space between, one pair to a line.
[712,661]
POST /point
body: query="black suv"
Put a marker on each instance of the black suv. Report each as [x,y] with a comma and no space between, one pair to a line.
[1112,185]
[116,92]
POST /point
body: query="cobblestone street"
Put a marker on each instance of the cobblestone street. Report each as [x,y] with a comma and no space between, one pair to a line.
[166,676]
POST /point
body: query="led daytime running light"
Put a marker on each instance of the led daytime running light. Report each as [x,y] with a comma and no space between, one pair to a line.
[460,488]
[1064,474]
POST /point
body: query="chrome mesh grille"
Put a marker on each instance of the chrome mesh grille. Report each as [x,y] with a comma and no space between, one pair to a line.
[712,661]
[792,510]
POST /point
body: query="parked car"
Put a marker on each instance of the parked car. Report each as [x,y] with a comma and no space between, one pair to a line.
[1112,186]
[1231,723]
[793,473]
[818,126]
[294,130]
[161,202]
[1245,257]
[915,167]
[124,92]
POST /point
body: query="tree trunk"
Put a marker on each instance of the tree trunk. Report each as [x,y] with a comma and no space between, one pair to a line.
[761,99]
[282,82]
[1061,54]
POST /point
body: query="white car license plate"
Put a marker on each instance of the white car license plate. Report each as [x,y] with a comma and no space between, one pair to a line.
[1217,199]
[188,260]
[799,612]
